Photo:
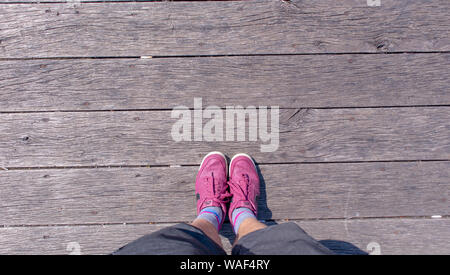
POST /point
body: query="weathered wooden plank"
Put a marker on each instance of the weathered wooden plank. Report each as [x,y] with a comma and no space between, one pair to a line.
[394,236]
[287,81]
[144,138]
[80,2]
[221,28]
[294,191]
[92,239]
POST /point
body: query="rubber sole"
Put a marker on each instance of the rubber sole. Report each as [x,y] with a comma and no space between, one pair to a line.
[215,153]
[242,155]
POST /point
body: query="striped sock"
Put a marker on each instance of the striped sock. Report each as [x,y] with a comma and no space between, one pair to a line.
[239,215]
[212,214]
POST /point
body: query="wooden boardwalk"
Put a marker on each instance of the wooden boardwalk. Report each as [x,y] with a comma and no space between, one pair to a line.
[87,161]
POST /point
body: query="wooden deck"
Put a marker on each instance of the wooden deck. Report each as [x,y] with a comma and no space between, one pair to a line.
[87,161]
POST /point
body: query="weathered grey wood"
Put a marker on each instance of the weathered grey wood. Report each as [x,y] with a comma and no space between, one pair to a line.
[294,191]
[80,2]
[144,138]
[92,239]
[287,81]
[217,28]
[394,236]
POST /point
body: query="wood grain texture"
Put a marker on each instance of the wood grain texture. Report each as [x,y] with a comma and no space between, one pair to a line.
[222,28]
[395,236]
[286,81]
[144,138]
[290,191]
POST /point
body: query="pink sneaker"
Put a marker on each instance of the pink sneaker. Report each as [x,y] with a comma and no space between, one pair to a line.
[211,183]
[244,183]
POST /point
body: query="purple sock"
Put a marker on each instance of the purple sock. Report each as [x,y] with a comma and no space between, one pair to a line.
[239,215]
[212,214]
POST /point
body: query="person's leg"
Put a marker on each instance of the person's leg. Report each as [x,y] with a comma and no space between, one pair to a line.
[180,239]
[201,237]
[208,229]
[248,226]
[281,239]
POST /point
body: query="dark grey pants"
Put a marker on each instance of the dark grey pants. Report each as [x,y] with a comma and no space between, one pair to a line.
[184,239]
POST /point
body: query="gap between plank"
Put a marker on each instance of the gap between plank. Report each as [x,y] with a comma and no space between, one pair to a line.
[223,108]
[267,221]
[214,56]
[2,168]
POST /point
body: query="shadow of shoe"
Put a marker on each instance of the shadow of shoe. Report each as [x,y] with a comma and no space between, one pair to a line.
[264,213]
